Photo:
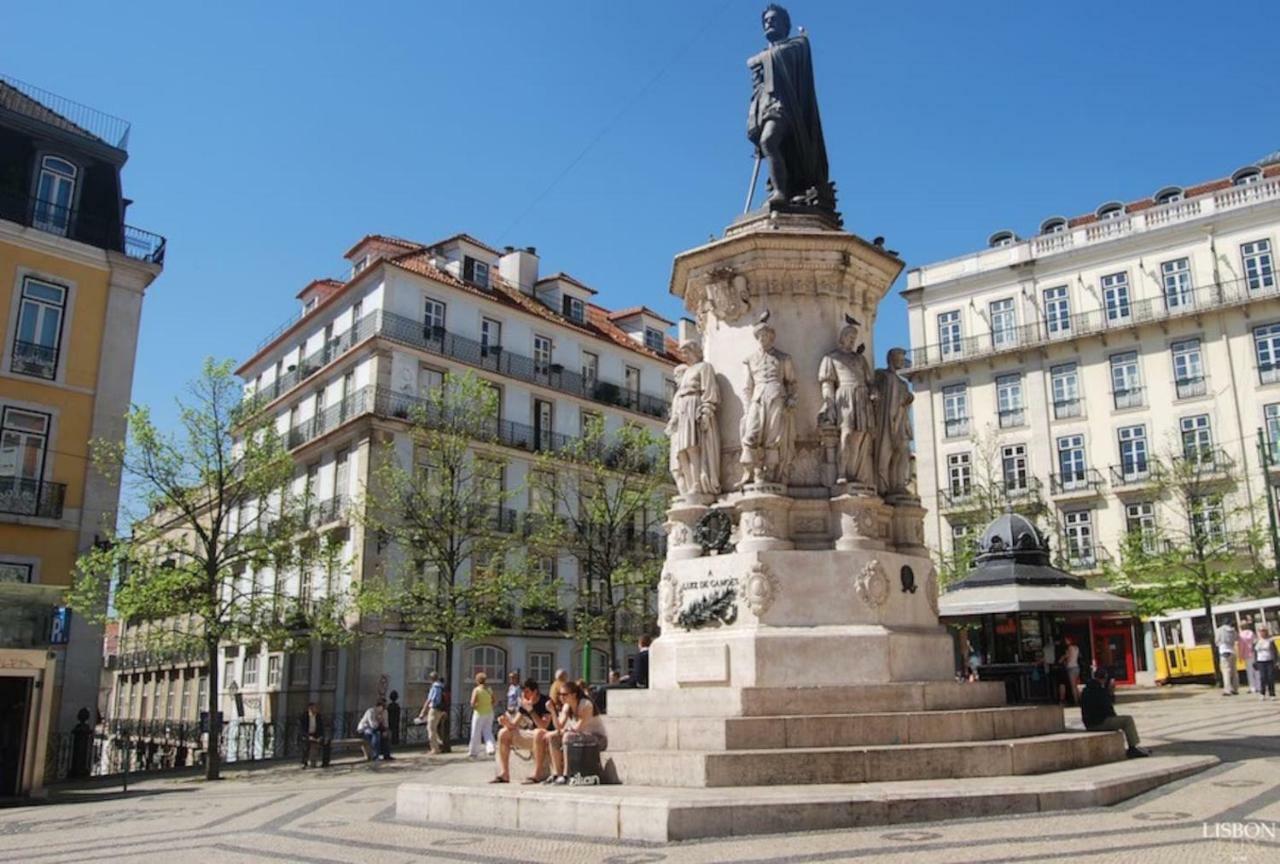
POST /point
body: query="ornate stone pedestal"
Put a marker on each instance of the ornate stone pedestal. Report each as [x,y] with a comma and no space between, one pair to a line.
[682,525]
[864,522]
[763,524]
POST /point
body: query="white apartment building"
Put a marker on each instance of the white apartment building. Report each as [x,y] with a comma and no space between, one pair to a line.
[339,380]
[1070,359]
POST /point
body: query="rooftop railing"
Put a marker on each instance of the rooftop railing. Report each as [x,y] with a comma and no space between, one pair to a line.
[63,113]
[78,224]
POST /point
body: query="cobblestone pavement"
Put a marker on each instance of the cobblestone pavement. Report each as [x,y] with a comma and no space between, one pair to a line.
[347,814]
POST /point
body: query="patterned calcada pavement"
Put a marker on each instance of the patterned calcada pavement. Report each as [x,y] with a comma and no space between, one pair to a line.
[346,813]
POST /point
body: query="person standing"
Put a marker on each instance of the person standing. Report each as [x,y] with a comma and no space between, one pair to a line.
[513,693]
[313,735]
[1247,638]
[393,716]
[432,713]
[1227,640]
[1071,664]
[481,717]
[1264,656]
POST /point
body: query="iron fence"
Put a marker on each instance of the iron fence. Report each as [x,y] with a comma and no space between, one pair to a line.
[67,114]
[25,497]
[86,227]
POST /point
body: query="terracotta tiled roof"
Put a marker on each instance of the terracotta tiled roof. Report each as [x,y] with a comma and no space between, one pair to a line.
[637,310]
[383,238]
[331,284]
[469,239]
[1189,192]
[565,277]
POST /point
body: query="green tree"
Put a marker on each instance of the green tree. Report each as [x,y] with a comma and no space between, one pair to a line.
[220,513]
[448,571]
[595,500]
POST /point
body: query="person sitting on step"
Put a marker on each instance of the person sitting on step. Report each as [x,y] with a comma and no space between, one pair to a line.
[1097,709]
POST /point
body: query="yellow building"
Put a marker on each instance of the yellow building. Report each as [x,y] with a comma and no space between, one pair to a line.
[72,279]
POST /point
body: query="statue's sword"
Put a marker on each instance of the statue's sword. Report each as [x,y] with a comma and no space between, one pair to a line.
[751,190]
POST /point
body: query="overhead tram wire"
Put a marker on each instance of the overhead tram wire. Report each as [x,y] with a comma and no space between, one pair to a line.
[613,121]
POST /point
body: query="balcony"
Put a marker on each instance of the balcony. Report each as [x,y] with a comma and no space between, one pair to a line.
[1190,388]
[1076,483]
[85,227]
[437,340]
[503,520]
[1022,488]
[1268,373]
[956,427]
[1204,461]
[1022,494]
[1064,409]
[1133,397]
[22,497]
[1083,558]
[1132,476]
[1012,417]
[38,361]
[326,512]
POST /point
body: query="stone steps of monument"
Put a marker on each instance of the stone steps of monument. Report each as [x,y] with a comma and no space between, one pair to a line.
[459,796]
[865,764]
[796,701]
[832,730]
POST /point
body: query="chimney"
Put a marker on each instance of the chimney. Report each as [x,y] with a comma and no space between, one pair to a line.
[519,267]
[687,331]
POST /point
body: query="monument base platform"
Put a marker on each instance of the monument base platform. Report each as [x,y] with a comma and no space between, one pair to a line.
[459,796]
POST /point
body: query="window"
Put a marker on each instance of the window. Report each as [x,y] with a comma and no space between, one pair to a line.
[631,382]
[590,371]
[574,309]
[475,272]
[1078,530]
[588,419]
[1176,277]
[273,671]
[1266,346]
[962,539]
[1246,176]
[1009,401]
[38,339]
[1197,440]
[329,667]
[24,437]
[55,195]
[490,337]
[654,341]
[541,664]
[1057,311]
[1114,210]
[429,381]
[155,698]
[1072,468]
[543,424]
[1053,225]
[489,659]
[1188,368]
[1207,519]
[959,474]
[1064,381]
[1115,296]
[341,474]
[250,670]
[1140,519]
[300,669]
[1169,195]
[1013,465]
[1002,238]
[1271,416]
[228,673]
[1126,383]
[360,264]
[1133,453]
[421,662]
[12,572]
[184,705]
[204,693]
[171,697]
[955,411]
[1004,323]
[949,335]
[541,355]
[1258,269]
[433,318]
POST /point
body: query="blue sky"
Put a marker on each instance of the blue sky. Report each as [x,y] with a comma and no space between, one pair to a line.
[267,137]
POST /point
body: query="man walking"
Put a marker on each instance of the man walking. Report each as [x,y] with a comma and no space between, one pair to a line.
[1226,638]
[435,713]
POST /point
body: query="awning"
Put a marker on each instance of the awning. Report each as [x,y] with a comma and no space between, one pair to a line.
[1029,598]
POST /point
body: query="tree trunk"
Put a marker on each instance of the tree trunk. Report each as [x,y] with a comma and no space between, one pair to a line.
[447,674]
[212,762]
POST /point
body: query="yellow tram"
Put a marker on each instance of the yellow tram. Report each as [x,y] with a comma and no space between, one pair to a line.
[1183,640]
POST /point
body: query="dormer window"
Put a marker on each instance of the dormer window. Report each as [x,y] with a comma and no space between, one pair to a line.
[1111,210]
[1247,176]
[654,340]
[360,265]
[475,272]
[1053,225]
[310,304]
[55,193]
[1002,238]
[1168,195]
[574,309]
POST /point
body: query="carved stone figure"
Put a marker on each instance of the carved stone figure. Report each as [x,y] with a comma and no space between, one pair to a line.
[847,403]
[782,119]
[770,397]
[695,437]
[893,450]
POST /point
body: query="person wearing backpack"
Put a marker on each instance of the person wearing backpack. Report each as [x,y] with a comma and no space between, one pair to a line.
[433,712]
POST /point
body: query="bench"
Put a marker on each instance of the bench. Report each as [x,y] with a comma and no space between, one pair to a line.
[327,748]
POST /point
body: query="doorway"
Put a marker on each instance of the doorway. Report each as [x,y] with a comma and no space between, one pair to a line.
[1113,650]
[15,708]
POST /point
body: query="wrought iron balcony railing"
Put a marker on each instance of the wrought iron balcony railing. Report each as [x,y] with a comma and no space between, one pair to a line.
[1132,474]
[1131,397]
[1189,388]
[79,224]
[23,497]
[1011,417]
[1085,481]
[1205,460]
[39,361]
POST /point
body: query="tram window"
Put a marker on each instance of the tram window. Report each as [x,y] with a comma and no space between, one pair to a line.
[1171,631]
[1201,630]
[1220,618]
[1273,619]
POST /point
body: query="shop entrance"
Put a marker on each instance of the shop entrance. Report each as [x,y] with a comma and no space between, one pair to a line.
[15,709]
[1113,650]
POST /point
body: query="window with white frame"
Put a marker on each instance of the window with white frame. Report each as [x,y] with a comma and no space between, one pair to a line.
[631,382]
[1207,518]
[541,667]
[250,670]
[1197,439]
[1176,278]
[574,309]
[490,337]
[475,272]
[541,355]
[202,703]
[1133,453]
[228,673]
[654,340]
[960,474]
[300,669]
[37,341]
[955,410]
[433,318]
[1064,381]
[273,671]
[420,663]
[950,338]
[590,371]
[1115,297]
[1057,311]
[156,697]
[55,195]
[186,686]
[1126,380]
[1259,271]
[1140,520]
[171,694]
[1009,401]
[1072,466]
[1271,417]
[1013,466]
[489,659]
[1004,323]
[1266,346]
[328,667]
[24,442]
[1077,528]
[1188,368]
[962,539]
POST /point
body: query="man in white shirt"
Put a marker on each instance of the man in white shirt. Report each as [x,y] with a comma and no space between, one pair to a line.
[373,728]
[1226,638]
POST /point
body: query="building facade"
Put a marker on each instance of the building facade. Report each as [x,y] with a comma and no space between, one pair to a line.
[72,280]
[342,379]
